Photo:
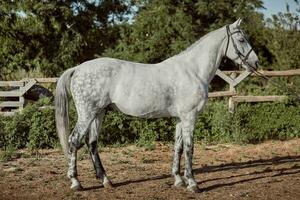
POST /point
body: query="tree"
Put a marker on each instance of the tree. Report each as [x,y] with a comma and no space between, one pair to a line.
[163,28]
[160,29]
[51,36]
[283,40]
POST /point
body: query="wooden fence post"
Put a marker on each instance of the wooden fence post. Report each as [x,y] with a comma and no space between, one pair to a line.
[231,103]
[21,97]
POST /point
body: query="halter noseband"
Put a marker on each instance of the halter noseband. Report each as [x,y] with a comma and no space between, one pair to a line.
[243,57]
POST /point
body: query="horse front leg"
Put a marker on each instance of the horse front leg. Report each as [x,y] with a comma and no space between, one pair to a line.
[188,124]
[178,149]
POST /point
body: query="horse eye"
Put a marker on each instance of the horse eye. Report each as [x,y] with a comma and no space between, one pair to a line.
[242,40]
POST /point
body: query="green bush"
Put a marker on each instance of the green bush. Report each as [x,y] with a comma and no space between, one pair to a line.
[259,122]
[214,124]
[2,131]
[251,123]
[32,127]
[17,127]
[117,129]
[121,129]
[8,153]
[42,133]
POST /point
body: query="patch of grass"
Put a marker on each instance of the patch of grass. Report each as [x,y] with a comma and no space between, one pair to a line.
[8,154]
[149,146]
[128,152]
[83,153]
[116,159]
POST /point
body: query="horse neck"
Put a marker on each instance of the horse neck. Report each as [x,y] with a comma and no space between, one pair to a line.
[204,57]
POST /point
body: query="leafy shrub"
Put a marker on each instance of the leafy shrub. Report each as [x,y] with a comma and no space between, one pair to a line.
[42,133]
[2,131]
[214,124]
[121,129]
[8,153]
[117,129]
[252,122]
[32,127]
[264,121]
[18,126]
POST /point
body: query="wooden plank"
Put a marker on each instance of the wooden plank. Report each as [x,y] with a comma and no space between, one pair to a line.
[27,86]
[44,80]
[224,77]
[258,98]
[293,72]
[9,104]
[241,77]
[231,102]
[221,94]
[11,83]
[14,93]
[22,102]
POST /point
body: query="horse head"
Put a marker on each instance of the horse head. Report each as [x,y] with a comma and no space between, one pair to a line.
[238,48]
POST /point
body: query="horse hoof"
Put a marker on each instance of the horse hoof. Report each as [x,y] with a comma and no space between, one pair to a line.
[179,184]
[76,187]
[108,184]
[193,188]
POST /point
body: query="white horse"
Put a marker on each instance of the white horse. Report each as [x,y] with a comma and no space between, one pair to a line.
[176,87]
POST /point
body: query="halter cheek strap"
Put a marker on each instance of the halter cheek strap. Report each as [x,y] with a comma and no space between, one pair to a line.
[243,57]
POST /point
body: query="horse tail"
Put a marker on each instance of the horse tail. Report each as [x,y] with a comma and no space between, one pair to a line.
[62,108]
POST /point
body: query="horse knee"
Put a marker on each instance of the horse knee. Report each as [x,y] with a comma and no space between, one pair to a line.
[75,143]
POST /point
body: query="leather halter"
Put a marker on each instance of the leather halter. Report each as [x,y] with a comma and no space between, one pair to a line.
[243,57]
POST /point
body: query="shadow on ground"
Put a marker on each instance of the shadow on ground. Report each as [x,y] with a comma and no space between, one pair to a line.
[270,170]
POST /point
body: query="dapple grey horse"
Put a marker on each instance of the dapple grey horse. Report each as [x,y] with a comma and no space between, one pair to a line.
[176,87]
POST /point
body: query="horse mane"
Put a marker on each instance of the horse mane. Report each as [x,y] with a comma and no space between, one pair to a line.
[191,47]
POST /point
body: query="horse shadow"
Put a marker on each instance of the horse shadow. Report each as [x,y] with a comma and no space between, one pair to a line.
[268,172]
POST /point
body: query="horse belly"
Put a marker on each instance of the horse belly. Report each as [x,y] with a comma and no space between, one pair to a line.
[145,104]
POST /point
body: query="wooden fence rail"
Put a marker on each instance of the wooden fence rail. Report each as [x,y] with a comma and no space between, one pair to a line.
[233,78]
[292,72]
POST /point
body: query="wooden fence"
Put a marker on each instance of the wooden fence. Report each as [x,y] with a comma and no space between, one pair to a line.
[18,90]
[233,78]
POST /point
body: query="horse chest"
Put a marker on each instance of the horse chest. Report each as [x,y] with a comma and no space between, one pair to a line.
[190,98]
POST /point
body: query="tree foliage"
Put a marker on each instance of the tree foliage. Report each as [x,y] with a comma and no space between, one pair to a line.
[51,36]
[283,40]
[163,28]
[54,35]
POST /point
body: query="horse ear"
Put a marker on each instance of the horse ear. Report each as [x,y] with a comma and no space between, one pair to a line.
[237,23]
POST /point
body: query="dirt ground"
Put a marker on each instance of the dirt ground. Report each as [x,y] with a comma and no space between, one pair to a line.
[266,171]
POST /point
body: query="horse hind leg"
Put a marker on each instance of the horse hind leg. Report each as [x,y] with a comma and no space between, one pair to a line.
[75,143]
[92,143]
